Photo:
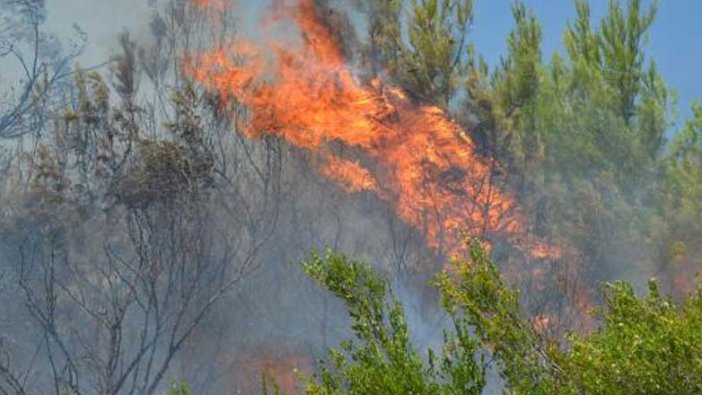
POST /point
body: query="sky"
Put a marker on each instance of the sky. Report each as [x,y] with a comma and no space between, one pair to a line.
[102,20]
[676,37]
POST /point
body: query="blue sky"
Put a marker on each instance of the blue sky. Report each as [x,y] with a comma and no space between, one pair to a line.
[675,38]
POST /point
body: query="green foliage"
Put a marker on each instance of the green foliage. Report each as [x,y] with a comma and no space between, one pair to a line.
[179,389]
[269,386]
[514,86]
[476,293]
[644,345]
[621,38]
[437,36]
[581,41]
[682,195]
[582,135]
[382,359]
[518,77]
[384,31]
[685,162]
[430,62]
[600,103]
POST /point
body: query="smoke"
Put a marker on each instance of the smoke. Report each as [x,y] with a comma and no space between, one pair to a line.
[101,21]
[353,194]
[313,153]
[378,146]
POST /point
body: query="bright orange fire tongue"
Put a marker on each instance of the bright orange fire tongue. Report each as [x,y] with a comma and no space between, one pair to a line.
[411,155]
[216,4]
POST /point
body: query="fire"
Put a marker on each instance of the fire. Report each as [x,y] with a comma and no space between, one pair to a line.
[281,371]
[350,175]
[211,4]
[411,155]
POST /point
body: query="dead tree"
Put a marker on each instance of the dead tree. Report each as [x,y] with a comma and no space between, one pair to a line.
[127,241]
[39,64]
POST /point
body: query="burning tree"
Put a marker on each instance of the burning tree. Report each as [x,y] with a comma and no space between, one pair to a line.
[152,238]
[410,154]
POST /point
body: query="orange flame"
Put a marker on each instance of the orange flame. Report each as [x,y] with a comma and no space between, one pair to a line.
[350,175]
[280,370]
[211,4]
[412,155]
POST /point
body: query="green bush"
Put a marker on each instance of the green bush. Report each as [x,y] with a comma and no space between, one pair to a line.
[644,345]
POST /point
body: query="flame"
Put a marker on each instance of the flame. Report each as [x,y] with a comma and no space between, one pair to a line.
[410,154]
[350,175]
[211,4]
[283,370]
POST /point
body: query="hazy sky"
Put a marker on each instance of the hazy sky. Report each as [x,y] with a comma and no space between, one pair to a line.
[102,20]
[676,38]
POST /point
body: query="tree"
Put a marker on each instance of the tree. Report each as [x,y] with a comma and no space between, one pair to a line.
[140,287]
[621,37]
[586,168]
[504,102]
[429,63]
[383,359]
[37,59]
[646,344]
[124,242]
[680,205]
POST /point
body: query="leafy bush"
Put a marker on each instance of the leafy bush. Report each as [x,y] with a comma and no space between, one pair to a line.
[644,345]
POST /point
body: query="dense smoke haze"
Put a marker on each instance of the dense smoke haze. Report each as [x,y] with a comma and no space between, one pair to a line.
[167,166]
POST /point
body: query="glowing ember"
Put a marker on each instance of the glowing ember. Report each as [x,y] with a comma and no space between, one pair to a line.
[411,155]
[209,3]
[278,370]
